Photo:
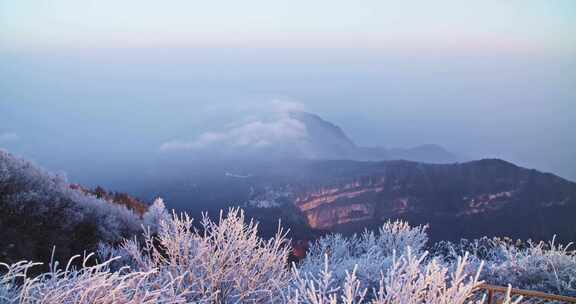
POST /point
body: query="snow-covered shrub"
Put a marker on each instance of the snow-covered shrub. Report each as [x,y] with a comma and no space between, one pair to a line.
[395,237]
[478,250]
[345,254]
[321,287]
[410,279]
[12,278]
[547,267]
[371,253]
[88,285]
[413,280]
[224,261]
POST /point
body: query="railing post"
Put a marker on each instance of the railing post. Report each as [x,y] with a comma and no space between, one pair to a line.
[494,290]
[490,296]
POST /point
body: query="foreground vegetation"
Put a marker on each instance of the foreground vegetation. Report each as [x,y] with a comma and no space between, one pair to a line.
[226,262]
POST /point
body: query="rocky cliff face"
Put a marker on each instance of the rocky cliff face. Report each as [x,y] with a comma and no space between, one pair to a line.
[487,197]
[335,205]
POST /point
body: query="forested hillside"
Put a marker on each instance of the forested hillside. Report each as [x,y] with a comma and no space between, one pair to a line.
[42,212]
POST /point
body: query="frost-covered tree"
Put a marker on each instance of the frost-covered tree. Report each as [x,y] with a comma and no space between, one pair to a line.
[155,215]
[41,210]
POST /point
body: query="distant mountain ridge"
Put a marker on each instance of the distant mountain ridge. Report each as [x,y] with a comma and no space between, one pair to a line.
[486,197]
[329,141]
[290,135]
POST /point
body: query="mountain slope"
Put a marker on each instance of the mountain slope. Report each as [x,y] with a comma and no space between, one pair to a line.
[487,197]
[329,141]
[40,211]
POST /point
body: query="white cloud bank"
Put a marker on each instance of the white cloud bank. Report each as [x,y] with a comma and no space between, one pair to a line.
[278,129]
[255,134]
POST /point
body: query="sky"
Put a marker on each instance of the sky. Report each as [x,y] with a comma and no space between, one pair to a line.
[90,86]
[487,25]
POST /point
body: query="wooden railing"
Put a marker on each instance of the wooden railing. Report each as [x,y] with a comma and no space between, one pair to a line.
[495,294]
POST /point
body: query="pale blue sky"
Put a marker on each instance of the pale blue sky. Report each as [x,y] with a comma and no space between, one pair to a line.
[488,24]
[90,85]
